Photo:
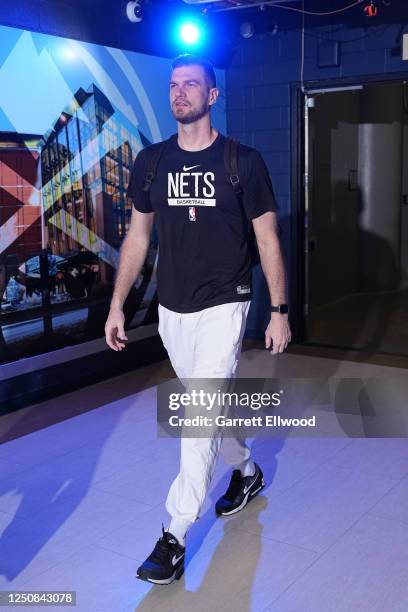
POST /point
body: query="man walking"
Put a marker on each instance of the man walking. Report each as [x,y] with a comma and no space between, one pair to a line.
[204,285]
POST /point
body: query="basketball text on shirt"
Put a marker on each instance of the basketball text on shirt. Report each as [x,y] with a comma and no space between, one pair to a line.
[189,188]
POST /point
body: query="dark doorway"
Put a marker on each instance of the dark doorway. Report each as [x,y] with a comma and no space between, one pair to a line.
[356,201]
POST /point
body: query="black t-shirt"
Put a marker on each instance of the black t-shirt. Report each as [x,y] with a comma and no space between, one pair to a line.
[202,227]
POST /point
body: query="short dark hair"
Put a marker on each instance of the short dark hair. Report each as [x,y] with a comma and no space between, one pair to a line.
[188,59]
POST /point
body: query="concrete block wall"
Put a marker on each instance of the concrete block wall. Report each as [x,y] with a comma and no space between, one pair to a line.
[258,90]
[100,22]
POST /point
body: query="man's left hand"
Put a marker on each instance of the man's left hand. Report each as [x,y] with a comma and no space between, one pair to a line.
[277,334]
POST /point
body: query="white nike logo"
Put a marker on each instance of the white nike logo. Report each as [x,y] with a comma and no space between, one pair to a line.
[190,168]
[246,489]
[176,559]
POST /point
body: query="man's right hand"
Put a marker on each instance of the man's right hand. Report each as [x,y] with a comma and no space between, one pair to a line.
[114,329]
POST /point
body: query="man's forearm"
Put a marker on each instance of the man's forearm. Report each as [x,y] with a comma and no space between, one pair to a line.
[132,256]
[274,270]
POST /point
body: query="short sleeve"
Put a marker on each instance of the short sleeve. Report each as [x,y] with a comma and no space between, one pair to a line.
[140,199]
[259,196]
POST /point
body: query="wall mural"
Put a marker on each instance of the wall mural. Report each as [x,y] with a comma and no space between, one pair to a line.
[73,116]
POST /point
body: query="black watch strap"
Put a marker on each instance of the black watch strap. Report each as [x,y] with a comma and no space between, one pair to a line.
[282,308]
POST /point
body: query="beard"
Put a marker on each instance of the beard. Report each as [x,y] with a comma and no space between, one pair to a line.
[190,114]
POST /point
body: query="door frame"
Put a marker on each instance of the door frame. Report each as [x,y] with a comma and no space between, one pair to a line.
[299,190]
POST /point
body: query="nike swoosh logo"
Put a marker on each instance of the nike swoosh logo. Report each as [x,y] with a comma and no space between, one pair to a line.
[190,168]
[176,559]
[246,489]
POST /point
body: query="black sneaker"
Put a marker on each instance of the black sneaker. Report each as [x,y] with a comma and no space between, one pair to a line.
[240,491]
[165,563]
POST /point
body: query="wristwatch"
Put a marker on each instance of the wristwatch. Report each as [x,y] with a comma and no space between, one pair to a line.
[281,308]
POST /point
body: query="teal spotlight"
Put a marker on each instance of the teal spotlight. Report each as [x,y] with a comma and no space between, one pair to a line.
[190,33]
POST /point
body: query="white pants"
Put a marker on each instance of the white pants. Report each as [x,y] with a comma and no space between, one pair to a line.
[204,344]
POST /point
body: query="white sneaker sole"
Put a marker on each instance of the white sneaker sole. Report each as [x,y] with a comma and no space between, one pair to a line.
[175,576]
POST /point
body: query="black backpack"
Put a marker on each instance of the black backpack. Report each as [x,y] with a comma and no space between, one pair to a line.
[231,171]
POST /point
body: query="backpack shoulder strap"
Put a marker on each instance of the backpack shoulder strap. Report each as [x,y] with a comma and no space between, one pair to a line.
[231,170]
[231,164]
[153,161]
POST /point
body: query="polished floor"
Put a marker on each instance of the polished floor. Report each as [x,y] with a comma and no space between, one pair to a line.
[372,322]
[83,480]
